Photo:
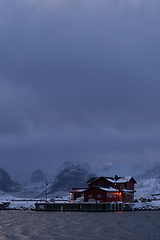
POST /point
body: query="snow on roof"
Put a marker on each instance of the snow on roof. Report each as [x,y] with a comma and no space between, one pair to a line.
[77,190]
[120,180]
[109,189]
[126,190]
[115,179]
[81,190]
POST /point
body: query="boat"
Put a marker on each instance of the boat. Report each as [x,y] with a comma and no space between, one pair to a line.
[4,205]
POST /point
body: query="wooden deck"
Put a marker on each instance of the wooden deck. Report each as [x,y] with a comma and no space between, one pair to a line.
[81,207]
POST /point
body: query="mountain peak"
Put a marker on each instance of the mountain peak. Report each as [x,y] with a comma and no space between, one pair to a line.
[72,176]
[6,184]
[38,176]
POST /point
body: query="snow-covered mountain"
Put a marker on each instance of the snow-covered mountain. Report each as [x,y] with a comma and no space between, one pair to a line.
[148,178]
[69,175]
[6,184]
[72,176]
[147,188]
[67,164]
[35,186]
[153,172]
[31,190]
[123,170]
[148,183]
[38,176]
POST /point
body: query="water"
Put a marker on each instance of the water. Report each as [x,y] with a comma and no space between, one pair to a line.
[27,224]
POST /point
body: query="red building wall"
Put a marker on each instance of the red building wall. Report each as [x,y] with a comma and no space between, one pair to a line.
[96,194]
[100,195]
[130,184]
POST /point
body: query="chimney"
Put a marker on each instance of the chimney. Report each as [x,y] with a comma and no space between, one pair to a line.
[116,177]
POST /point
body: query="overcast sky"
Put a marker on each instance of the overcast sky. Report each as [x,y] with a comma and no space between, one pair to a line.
[79,81]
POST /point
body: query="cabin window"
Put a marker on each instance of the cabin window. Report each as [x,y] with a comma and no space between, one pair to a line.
[122,185]
[90,196]
[99,195]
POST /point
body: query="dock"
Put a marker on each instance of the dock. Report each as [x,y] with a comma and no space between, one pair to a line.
[81,207]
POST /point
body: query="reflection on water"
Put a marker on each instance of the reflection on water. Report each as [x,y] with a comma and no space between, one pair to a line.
[66,225]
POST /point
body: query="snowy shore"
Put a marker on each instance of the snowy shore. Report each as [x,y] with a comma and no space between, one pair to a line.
[27,203]
[153,205]
[30,205]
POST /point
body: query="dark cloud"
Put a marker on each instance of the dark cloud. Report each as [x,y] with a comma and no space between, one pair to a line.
[79,80]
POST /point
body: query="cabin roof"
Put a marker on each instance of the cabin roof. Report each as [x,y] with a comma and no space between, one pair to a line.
[110,189]
[78,190]
[115,179]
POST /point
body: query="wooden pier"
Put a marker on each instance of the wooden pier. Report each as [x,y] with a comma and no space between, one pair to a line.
[80,207]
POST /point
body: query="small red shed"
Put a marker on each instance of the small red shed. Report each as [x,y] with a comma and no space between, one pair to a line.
[76,193]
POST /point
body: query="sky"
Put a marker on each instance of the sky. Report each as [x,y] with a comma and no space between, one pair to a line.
[79,81]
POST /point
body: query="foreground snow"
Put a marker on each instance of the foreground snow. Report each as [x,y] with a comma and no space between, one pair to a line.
[147,187]
[154,205]
[26,203]
[17,203]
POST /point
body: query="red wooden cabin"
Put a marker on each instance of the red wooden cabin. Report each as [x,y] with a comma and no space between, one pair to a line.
[107,189]
[111,188]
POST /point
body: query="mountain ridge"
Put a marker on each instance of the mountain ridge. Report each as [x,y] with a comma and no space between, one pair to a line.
[76,175]
[6,184]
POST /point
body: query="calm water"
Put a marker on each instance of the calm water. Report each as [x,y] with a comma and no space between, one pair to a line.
[63,225]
